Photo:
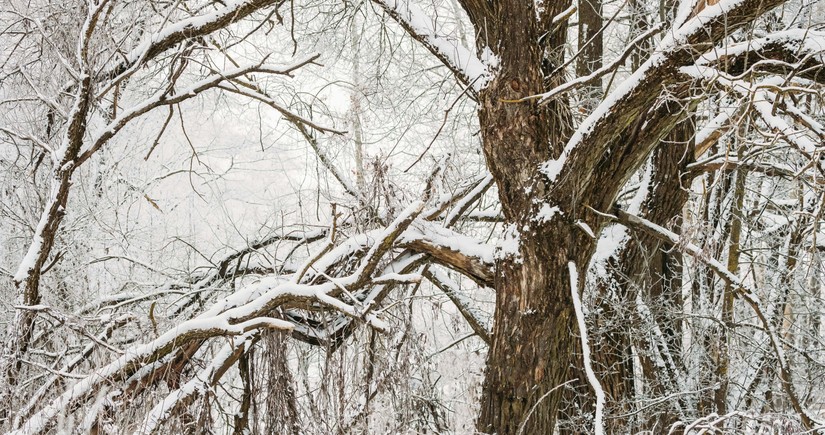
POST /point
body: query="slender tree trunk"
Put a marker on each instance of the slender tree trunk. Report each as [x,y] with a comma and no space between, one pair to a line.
[646,265]
[723,363]
[591,48]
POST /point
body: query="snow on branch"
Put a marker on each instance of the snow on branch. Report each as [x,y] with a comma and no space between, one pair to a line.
[634,95]
[238,314]
[158,42]
[454,250]
[471,70]
[713,130]
[745,291]
[357,289]
[801,51]
[763,102]
[207,378]
[244,311]
[598,422]
[595,75]
[461,201]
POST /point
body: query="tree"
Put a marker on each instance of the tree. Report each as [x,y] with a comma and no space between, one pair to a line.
[734,77]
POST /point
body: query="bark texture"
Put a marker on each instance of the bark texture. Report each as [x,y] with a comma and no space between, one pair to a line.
[532,347]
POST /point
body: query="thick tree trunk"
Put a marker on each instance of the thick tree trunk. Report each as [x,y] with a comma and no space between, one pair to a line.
[532,346]
[551,219]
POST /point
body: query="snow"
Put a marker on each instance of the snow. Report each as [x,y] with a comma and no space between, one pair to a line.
[231,8]
[714,125]
[661,354]
[461,205]
[644,189]
[697,24]
[588,365]
[397,277]
[611,241]
[446,238]
[546,213]
[564,14]
[489,58]
[614,237]
[586,228]
[553,167]
[28,263]
[198,383]
[745,291]
[761,100]
[763,103]
[799,41]
[510,243]
[215,321]
[466,304]
[475,70]
[672,41]
[808,120]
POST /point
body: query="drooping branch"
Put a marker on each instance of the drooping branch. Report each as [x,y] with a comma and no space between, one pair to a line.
[206,379]
[246,310]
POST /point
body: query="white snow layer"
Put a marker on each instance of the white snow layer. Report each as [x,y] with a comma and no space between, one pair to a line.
[588,366]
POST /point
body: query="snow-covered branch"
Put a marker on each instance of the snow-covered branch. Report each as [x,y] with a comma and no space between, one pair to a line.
[745,291]
[631,98]
[585,341]
[471,70]
[153,44]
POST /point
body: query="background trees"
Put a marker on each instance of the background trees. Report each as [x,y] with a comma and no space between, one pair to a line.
[189,184]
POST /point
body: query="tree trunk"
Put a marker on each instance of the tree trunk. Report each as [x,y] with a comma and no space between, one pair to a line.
[532,345]
[533,341]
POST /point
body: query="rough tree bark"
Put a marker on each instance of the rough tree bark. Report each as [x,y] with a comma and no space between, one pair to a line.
[532,349]
[548,216]
[554,184]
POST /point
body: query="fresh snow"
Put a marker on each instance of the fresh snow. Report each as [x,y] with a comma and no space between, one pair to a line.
[474,69]
[510,243]
[546,213]
[588,365]
[672,41]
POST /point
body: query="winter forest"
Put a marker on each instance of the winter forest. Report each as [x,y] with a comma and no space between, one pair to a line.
[412,216]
